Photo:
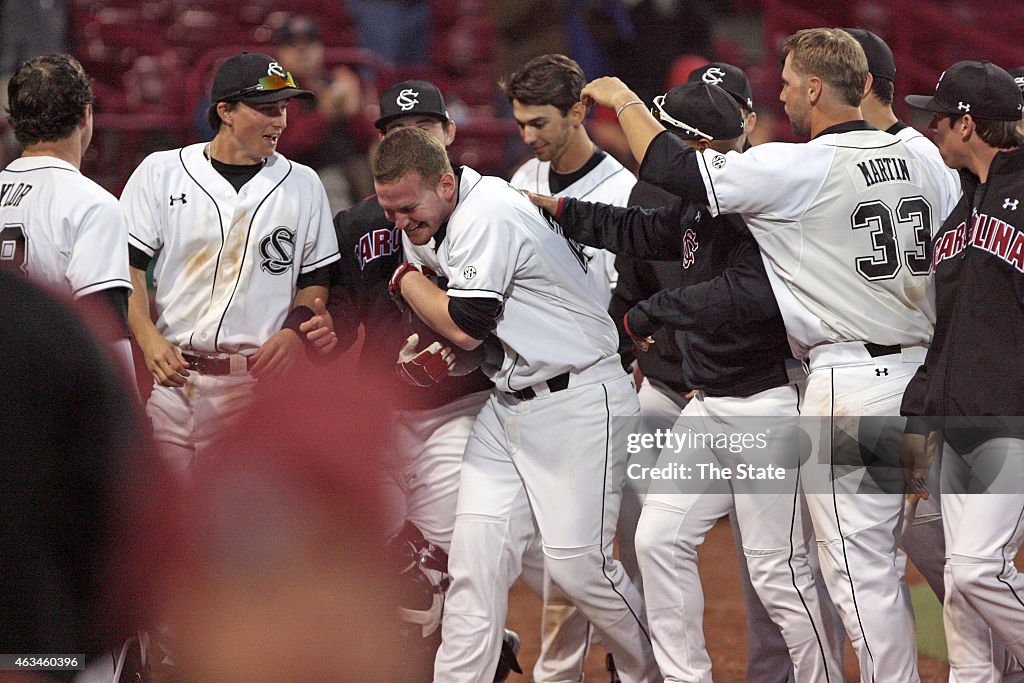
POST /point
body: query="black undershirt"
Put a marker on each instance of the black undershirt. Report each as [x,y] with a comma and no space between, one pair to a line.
[559,181]
[236,174]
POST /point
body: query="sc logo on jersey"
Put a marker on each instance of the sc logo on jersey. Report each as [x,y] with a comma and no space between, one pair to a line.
[277,250]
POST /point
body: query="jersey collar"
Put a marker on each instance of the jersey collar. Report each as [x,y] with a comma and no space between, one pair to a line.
[845,127]
[443,230]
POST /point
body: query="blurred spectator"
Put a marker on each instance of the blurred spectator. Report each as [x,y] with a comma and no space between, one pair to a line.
[597,30]
[329,134]
[29,28]
[397,30]
[79,482]
[526,29]
[280,577]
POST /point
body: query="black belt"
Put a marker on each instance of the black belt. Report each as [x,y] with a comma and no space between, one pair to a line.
[212,366]
[876,350]
[554,384]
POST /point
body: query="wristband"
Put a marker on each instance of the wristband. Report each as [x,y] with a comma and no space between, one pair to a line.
[630,103]
[296,317]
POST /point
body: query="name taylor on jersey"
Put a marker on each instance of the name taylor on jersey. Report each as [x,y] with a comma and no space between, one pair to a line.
[11,194]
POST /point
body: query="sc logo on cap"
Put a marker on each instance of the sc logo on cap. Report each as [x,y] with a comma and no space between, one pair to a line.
[407,99]
[275,69]
[713,76]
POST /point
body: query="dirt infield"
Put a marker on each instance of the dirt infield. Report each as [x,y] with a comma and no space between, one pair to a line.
[724,622]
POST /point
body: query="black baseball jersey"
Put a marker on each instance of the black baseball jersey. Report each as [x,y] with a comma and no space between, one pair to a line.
[371,249]
[974,365]
[727,322]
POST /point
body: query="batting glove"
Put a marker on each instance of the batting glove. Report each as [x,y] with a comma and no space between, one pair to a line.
[424,368]
[395,283]
[643,343]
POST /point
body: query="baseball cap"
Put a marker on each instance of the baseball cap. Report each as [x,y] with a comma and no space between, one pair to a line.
[254,77]
[880,61]
[980,89]
[1018,76]
[296,28]
[699,111]
[410,98]
[729,78]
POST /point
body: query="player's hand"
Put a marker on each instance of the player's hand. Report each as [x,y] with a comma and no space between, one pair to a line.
[424,368]
[916,456]
[607,91]
[549,204]
[164,361]
[277,354]
[642,341]
[319,329]
[395,283]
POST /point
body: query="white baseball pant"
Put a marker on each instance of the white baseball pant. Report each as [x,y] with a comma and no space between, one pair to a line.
[554,465]
[774,537]
[983,507]
[853,402]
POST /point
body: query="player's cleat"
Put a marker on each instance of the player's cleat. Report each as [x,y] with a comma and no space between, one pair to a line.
[507,662]
[609,665]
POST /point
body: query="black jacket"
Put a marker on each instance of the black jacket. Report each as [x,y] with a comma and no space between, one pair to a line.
[371,249]
[727,322]
[975,364]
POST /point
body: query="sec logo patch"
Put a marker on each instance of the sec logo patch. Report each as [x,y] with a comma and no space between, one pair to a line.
[469,272]
[718,161]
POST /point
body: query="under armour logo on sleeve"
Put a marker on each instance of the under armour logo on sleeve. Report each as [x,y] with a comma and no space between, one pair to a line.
[881,371]
[1010,204]
[178,199]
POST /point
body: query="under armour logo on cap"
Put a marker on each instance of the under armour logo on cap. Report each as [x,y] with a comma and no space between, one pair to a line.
[963,107]
[407,99]
[713,76]
[1010,204]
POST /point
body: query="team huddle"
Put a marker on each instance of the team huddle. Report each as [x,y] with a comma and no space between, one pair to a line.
[834,319]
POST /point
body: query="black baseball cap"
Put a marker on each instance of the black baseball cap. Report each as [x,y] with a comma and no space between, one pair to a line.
[297,28]
[699,111]
[1018,76]
[729,78]
[410,98]
[880,61]
[980,89]
[254,77]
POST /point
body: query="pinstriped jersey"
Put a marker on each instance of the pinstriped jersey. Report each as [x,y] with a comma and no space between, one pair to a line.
[497,245]
[609,183]
[61,228]
[227,262]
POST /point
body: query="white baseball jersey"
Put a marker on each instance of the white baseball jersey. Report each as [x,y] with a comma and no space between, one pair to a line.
[844,221]
[948,179]
[62,229]
[227,261]
[609,183]
[498,245]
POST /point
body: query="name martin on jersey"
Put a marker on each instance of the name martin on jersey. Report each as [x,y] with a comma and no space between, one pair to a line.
[377,243]
[885,169]
[11,194]
[988,233]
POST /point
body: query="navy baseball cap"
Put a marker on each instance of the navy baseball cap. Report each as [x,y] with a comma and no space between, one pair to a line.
[698,111]
[880,61]
[980,89]
[1018,76]
[256,78]
[729,78]
[410,98]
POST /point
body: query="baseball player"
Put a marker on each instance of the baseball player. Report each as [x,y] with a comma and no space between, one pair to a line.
[542,455]
[432,422]
[545,98]
[735,354]
[978,257]
[242,241]
[844,222]
[57,226]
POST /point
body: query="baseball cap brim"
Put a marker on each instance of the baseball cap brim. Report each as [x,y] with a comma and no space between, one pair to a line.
[277,96]
[928,103]
[383,121]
